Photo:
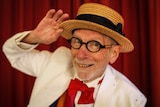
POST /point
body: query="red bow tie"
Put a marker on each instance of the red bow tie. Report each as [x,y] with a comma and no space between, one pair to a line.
[86,93]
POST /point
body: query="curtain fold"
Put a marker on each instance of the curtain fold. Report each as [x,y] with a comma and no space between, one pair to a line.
[154,49]
[142,25]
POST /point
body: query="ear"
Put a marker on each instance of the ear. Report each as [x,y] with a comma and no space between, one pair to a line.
[114,53]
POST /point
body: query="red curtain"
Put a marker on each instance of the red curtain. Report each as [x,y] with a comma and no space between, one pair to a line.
[142,25]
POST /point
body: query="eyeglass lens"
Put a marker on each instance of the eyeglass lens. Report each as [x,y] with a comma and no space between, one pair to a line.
[92,46]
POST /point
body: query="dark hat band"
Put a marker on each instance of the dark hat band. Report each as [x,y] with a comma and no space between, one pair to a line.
[102,21]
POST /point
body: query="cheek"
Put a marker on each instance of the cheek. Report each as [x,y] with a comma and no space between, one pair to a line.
[102,62]
[74,54]
[102,59]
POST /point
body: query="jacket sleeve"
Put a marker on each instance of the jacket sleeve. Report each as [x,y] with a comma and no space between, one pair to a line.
[23,56]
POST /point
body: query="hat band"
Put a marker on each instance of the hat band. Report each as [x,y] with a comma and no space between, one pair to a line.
[102,21]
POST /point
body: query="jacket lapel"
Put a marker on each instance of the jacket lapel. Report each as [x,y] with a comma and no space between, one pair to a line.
[106,89]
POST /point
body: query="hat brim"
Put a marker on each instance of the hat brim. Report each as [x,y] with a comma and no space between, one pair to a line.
[70,25]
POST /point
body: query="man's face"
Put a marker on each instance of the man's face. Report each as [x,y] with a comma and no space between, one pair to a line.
[88,65]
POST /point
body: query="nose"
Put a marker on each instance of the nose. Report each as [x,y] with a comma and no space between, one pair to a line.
[82,52]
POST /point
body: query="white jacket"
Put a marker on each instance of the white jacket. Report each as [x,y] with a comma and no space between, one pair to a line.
[54,71]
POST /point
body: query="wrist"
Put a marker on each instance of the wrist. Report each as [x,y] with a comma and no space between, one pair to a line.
[30,38]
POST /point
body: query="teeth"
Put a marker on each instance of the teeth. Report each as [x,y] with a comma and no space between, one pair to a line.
[83,65]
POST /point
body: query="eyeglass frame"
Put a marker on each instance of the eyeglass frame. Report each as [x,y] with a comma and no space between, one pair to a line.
[86,44]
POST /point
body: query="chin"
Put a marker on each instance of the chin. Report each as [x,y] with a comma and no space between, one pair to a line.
[86,77]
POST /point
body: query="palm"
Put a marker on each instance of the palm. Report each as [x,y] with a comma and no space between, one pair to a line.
[48,29]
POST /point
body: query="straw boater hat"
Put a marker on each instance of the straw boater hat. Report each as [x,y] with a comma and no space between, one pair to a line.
[99,18]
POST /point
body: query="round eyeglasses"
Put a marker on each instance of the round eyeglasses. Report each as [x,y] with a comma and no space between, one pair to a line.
[92,46]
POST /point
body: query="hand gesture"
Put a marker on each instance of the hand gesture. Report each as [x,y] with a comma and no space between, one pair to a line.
[48,29]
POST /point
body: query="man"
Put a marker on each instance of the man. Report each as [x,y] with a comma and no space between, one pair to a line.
[96,40]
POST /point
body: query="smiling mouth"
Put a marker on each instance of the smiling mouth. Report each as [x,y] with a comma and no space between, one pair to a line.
[84,65]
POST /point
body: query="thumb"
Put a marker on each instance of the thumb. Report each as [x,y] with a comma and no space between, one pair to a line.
[58,33]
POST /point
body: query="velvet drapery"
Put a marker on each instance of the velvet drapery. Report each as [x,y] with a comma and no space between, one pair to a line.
[142,25]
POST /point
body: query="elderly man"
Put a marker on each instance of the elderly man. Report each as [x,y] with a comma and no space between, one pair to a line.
[81,76]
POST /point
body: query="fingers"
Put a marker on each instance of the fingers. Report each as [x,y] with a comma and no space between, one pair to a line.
[50,13]
[58,16]
[63,18]
[49,26]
